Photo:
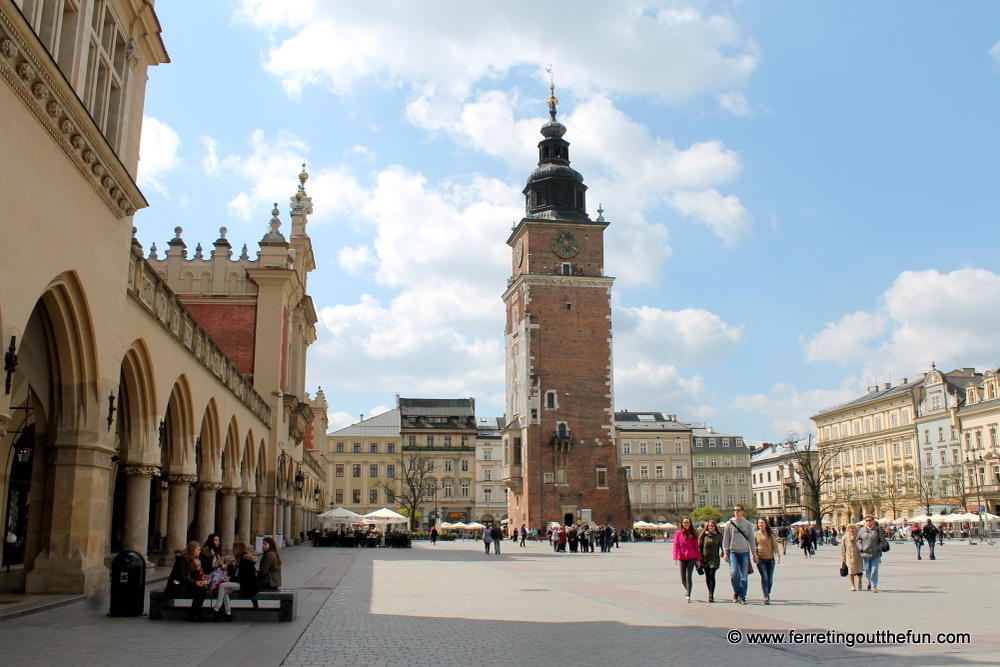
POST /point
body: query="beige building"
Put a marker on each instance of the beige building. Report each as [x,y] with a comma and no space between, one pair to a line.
[870,452]
[655,451]
[128,418]
[359,459]
[979,457]
[776,486]
[490,492]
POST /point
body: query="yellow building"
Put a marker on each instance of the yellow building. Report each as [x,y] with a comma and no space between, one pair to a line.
[869,455]
[655,451]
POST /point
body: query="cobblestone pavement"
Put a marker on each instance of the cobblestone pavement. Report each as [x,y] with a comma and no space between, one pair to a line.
[452,605]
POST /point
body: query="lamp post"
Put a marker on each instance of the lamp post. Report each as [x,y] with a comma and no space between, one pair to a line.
[976,460]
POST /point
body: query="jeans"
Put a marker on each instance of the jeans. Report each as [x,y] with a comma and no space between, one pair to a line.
[222,601]
[930,545]
[766,568]
[919,544]
[871,568]
[687,574]
[739,563]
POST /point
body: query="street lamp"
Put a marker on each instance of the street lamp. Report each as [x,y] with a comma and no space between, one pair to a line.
[976,460]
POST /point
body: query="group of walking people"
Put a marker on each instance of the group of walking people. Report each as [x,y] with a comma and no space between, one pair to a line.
[742,546]
[203,571]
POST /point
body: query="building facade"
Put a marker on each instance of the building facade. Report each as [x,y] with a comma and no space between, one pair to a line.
[359,458]
[776,486]
[978,487]
[489,490]
[560,461]
[125,423]
[872,454]
[721,465]
[655,452]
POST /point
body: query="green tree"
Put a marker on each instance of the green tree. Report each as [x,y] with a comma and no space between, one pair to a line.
[706,513]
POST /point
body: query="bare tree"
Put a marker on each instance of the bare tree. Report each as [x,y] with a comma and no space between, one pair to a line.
[409,485]
[929,487]
[890,495]
[955,476]
[811,464]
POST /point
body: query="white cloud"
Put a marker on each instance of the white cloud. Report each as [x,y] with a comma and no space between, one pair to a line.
[725,215]
[268,175]
[735,103]
[924,317]
[158,148]
[687,338]
[788,410]
[625,46]
[994,51]
[646,385]
[354,260]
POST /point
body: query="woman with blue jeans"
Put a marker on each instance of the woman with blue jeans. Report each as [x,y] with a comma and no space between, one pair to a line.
[870,544]
[767,556]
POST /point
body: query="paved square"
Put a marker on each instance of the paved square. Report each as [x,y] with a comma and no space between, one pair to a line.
[451,604]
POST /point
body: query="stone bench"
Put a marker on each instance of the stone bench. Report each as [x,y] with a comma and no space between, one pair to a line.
[266,605]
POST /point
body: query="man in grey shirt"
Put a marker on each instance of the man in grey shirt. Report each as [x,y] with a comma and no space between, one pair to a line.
[738,547]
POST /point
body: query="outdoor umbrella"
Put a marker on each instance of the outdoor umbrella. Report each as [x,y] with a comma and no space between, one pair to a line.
[384,517]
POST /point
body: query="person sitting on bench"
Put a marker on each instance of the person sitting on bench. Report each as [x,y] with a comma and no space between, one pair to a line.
[270,566]
[242,578]
[187,580]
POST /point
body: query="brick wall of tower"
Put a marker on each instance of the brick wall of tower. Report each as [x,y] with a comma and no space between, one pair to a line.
[571,351]
[233,327]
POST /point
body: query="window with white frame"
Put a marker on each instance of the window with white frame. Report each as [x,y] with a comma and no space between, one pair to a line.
[487,454]
[628,472]
[661,495]
[465,489]
[465,465]
[643,472]
[679,472]
[642,448]
[678,447]
[658,471]
[658,447]
[626,447]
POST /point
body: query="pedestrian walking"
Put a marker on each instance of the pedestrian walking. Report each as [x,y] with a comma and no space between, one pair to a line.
[931,533]
[434,534]
[851,557]
[487,539]
[711,555]
[783,538]
[806,541]
[871,543]
[738,549]
[686,554]
[767,556]
[917,535]
[524,533]
[497,538]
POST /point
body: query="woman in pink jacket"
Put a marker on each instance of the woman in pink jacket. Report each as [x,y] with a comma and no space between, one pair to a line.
[687,553]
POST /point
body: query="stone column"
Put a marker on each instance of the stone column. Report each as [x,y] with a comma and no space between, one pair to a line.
[177,517]
[206,509]
[279,517]
[289,529]
[296,523]
[227,518]
[243,529]
[137,507]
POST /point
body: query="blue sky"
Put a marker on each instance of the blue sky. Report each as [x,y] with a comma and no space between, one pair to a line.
[802,197]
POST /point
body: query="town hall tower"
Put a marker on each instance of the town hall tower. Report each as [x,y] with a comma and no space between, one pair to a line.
[560,462]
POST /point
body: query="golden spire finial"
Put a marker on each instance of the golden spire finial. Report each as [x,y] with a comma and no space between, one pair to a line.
[553,100]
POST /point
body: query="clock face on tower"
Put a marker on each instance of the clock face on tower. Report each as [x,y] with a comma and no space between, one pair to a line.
[519,252]
[565,244]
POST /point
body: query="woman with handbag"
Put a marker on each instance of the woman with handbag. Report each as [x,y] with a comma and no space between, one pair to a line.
[687,554]
[806,541]
[242,578]
[850,556]
[871,544]
[767,556]
[187,580]
[710,541]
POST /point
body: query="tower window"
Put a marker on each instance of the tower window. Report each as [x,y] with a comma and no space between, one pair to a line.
[550,400]
[567,269]
[540,198]
[569,306]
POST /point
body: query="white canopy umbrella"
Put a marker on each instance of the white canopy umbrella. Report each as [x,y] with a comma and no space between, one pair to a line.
[941,518]
[902,521]
[666,525]
[385,517]
[967,516]
[475,525]
[446,525]
[459,525]
[340,515]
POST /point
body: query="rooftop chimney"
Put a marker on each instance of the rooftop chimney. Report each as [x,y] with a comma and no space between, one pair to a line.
[886,385]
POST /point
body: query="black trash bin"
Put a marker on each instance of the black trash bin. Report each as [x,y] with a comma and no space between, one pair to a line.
[128,584]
